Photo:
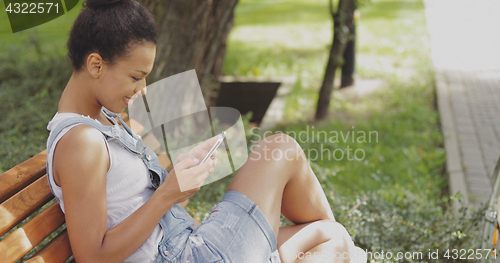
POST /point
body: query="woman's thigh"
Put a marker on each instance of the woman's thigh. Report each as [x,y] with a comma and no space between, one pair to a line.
[238,229]
[264,175]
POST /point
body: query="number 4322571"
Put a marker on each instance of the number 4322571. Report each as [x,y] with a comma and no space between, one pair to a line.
[473,254]
[31,8]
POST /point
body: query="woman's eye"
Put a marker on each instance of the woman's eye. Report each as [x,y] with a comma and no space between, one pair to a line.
[136,79]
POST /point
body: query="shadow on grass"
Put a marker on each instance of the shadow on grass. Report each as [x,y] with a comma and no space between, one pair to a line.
[278,13]
[245,59]
[389,10]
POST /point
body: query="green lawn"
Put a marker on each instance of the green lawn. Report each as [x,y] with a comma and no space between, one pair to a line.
[399,187]
[399,183]
[52,34]
[33,73]
[293,38]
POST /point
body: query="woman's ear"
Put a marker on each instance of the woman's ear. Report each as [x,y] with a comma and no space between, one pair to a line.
[94,65]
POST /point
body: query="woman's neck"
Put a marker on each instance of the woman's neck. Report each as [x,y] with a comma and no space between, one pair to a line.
[78,97]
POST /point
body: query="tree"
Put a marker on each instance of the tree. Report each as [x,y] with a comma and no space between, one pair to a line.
[192,34]
[343,25]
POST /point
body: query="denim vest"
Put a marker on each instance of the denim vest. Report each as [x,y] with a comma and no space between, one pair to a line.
[176,219]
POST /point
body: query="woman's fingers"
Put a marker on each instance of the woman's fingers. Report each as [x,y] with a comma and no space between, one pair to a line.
[201,150]
[194,177]
[202,168]
[189,177]
[180,157]
[198,152]
[207,145]
[189,161]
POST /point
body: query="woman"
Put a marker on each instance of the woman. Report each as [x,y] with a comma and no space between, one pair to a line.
[100,172]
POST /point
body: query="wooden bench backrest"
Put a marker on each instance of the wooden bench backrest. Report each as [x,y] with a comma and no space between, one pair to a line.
[23,190]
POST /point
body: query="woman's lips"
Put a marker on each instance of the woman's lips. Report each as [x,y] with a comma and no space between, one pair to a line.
[128,101]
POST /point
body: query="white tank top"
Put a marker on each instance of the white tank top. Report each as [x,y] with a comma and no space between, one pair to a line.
[127,187]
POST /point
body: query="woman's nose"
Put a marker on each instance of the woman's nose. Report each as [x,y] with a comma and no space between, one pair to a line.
[143,91]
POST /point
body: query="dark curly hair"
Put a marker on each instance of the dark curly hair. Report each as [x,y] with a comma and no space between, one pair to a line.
[109,28]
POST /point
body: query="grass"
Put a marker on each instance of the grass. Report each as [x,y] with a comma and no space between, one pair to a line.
[52,34]
[399,188]
[33,73]
[392,45]
[395,198]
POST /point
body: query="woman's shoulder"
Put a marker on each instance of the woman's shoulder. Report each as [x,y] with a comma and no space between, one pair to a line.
[83,137]
[75,137]
[82,148]
[59,117]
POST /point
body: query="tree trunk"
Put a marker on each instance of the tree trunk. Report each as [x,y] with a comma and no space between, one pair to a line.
[349,65]
[192,35]
[343,20]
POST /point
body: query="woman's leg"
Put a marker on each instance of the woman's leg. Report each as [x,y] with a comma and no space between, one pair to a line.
[320,241]
[278,178]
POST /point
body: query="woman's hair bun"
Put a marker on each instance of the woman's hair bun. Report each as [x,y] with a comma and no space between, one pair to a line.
[100,3]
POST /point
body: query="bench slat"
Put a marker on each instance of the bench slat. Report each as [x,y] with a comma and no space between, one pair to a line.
[124,116]
[135,126]
[25,238]
[151,142]
[163,160]
[22,175]
[24,203]
[56,251]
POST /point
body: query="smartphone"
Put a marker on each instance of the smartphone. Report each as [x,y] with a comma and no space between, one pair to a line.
[214,148]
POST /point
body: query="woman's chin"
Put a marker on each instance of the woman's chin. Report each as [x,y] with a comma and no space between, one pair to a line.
[116,109]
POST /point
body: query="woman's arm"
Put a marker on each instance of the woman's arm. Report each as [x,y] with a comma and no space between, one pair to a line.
[81,160]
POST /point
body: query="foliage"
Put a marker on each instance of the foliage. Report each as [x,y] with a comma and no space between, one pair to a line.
[398,220]
[402,175]
[29,91]
[406,205]
[398,189]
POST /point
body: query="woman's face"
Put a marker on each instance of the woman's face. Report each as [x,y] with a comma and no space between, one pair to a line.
[124,81]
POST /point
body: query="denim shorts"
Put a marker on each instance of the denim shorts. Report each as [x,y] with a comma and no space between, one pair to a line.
[236,230]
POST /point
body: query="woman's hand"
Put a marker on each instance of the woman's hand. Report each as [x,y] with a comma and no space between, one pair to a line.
[186,178]
[200,151]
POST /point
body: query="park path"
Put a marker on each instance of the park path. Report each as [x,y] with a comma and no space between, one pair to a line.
[465,43]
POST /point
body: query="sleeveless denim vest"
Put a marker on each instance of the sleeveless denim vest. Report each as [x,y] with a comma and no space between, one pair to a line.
[176,219]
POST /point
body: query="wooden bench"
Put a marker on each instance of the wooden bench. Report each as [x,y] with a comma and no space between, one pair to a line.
[24,190]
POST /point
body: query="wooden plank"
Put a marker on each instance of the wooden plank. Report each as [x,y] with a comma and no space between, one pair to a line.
[136,127]
[24,203]
[164,160]
[124,116]
[57,250]
[22,175]
[25,238]
[151,141]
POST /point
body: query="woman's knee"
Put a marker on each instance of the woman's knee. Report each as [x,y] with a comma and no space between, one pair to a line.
[278,147]
[338,234]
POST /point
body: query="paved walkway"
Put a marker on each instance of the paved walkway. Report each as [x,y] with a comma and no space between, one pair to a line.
[466,53]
